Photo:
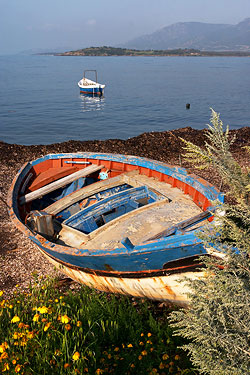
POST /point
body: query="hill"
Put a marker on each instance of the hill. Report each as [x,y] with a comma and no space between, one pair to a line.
[196,35]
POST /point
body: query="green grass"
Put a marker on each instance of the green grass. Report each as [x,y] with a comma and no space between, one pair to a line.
[50,331]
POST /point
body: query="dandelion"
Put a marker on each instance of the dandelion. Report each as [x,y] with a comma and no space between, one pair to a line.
[76,356]
[36,317]
[65,319]
[67,327]
[15,319]
[18,368]
[43,310]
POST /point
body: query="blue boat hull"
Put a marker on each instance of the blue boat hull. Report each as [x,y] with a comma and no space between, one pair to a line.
[151,260]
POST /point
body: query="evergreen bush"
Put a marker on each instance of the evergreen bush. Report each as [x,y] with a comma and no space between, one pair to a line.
[218,319]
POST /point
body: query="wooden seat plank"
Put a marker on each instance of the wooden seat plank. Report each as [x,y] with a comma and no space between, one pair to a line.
[60,183]
[86,192]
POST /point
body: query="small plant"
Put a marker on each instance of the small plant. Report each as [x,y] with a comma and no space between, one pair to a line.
[218,319]
[48,331]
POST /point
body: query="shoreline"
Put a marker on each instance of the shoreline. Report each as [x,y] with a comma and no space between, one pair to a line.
[19,258]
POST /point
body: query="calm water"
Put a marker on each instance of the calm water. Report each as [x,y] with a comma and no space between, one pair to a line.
[40,101]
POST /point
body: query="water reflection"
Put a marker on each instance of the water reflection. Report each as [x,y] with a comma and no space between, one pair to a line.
[91,102]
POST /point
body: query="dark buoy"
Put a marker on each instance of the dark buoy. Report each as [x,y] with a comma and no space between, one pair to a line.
[188,106]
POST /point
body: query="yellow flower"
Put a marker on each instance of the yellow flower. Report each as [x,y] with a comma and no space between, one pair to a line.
[56,300]
[98,371]
[21,325]
[67,327]
[144,352]
[30,335]
[14,361]
[15,336]
[43,310]
[58,352]
[149,342]
[6,367]
[149,334]
[116,349]
[3,347]
[15,319]
[36,317]
[46,327]
[78,323]
[177,357]
[109,356]
[10,306]
[65,319]
[132,365]
[142,334]
[130,346]
[140,357]
[18,368]
[66,365]
[165,357]
[76,356]
[161,366]
[1,293]
[4,355]
[141,343]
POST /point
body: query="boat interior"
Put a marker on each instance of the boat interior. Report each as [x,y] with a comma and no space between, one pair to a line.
[100,204]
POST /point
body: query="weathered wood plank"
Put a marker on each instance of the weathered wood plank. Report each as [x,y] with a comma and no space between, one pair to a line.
[86,192]
[59,183]
[182,225]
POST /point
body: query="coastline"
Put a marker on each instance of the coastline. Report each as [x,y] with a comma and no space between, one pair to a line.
[19,258]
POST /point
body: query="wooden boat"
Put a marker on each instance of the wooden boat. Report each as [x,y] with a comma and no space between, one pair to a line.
[89,87]
[117,223]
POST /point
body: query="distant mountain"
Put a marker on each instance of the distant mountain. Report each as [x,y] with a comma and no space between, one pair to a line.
[197,35]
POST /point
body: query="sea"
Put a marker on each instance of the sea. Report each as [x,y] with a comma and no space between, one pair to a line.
[40,102]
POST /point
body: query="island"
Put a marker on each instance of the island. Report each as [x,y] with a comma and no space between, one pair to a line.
[116,51]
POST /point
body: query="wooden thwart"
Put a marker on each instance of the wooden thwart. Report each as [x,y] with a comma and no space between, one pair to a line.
[59,183]
[87,191]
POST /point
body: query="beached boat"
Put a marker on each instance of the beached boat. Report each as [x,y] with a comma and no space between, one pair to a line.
[117,223]
[89,87]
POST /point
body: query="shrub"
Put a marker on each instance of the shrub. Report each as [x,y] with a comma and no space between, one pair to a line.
[218,319]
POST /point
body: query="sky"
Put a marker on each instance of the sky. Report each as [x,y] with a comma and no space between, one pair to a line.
[73,24]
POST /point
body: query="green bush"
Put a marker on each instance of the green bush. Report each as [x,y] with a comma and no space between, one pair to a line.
[218,319]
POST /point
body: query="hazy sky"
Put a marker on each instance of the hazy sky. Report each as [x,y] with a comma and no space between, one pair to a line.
[27,24]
